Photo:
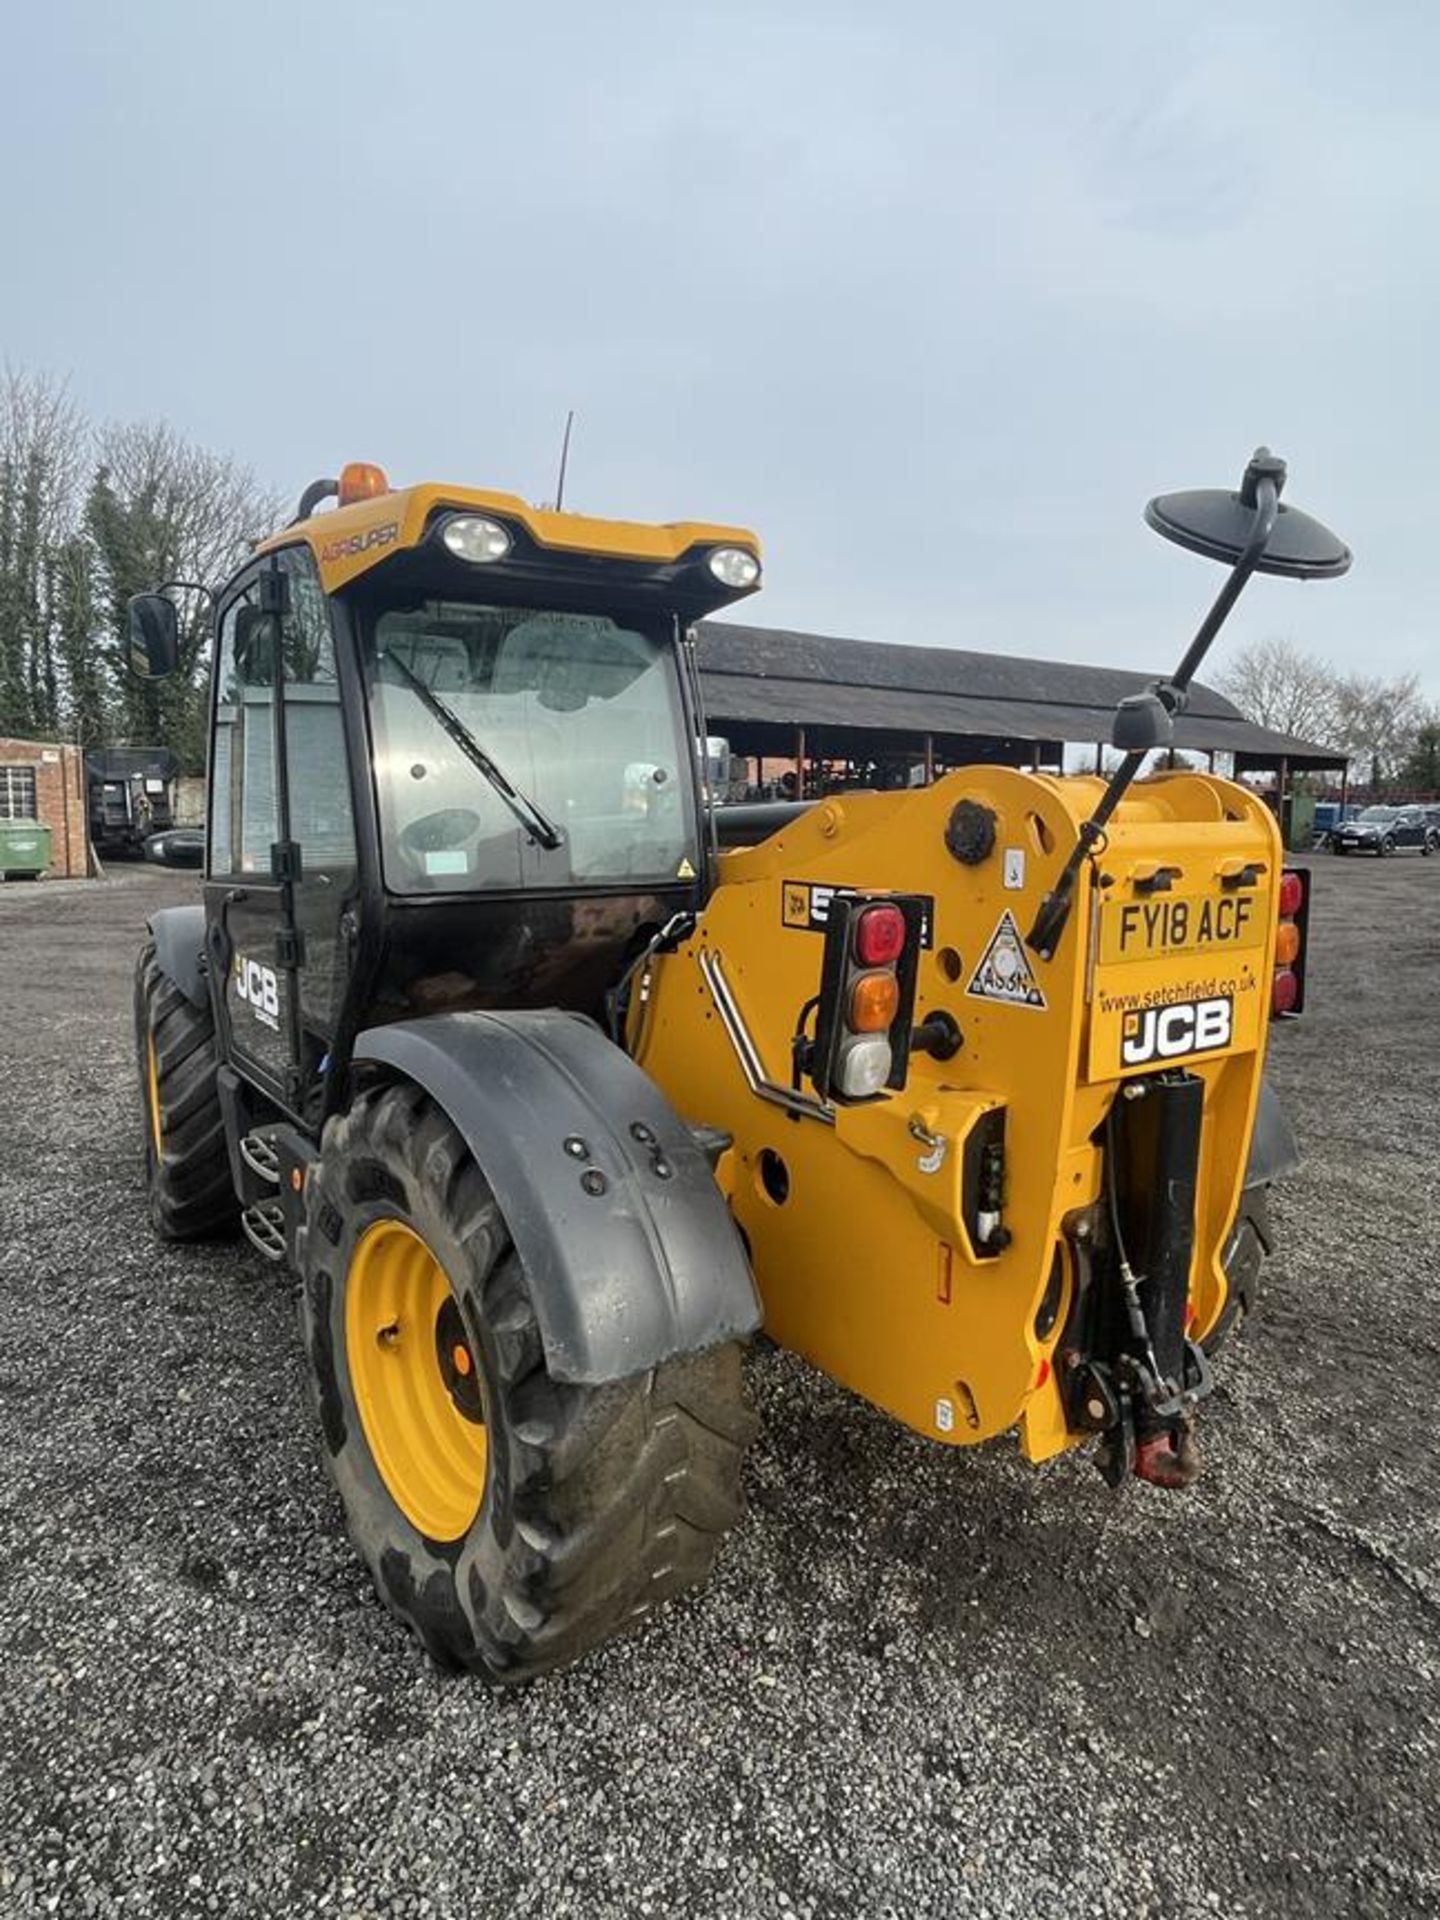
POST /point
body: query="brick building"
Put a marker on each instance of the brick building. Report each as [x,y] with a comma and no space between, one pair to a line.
[45,781]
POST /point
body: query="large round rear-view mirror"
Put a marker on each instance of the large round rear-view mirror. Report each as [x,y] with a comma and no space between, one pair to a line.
[1219,524]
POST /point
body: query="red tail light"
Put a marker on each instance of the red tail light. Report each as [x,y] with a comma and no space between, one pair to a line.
[1287,985]
[879,936]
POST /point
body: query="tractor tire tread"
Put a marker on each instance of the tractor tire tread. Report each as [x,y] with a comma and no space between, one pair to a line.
[603,1501]
[191,1190]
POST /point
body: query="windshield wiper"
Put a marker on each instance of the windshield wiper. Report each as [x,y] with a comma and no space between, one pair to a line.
[537,824]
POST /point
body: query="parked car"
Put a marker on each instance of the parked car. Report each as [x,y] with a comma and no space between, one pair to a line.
[1383,830]
[1328,816]
[177,847]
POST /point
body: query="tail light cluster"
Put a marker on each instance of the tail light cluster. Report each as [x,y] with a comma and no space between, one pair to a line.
[867,995]
[1287,985]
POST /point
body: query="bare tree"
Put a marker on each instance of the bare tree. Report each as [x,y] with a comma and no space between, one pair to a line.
[161,509]
[1377,722]
[42,452]
[1277,685]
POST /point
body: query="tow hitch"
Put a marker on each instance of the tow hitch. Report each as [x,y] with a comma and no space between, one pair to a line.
[1132,1375]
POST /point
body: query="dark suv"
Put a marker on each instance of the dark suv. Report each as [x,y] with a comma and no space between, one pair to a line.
[1384,830]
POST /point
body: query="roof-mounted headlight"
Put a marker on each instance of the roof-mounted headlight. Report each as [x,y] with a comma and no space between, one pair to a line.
[734,567]
[470,536]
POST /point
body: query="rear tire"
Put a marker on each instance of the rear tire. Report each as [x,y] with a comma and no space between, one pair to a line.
[1244,1259]
[187,1162]
[587,1506]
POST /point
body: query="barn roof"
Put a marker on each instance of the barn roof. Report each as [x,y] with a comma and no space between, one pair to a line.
[775,677]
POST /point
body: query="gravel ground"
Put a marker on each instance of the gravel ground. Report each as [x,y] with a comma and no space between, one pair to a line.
[921,1683]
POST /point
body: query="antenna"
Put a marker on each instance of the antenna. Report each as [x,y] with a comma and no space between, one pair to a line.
[564,460]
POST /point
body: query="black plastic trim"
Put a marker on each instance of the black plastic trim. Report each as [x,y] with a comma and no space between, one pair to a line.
[630,1250]
[179,936]
[1274,1150]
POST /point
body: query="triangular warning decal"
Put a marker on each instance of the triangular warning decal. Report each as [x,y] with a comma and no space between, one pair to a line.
[1004,972]
[685,871]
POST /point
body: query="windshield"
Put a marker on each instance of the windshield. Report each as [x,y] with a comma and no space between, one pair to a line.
[575,715]
[1378,816]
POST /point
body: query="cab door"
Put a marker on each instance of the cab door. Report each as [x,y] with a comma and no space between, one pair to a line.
[248,916]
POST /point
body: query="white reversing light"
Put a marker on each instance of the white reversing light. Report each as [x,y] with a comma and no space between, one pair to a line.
[470,536]
[734,567]
[864,1066]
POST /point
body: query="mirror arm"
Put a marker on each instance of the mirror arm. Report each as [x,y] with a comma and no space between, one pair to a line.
[1267,505]
[1260,489]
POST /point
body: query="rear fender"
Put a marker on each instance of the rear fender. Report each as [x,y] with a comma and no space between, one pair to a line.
[179,936]
[630,1249]
[1274,1150]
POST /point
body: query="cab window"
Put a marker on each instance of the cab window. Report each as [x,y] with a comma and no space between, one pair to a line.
[244,802]
[579,714]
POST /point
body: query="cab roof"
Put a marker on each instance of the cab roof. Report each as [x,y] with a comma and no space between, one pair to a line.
[350,540]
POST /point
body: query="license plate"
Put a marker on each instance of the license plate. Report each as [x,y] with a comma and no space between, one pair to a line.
[1171,923]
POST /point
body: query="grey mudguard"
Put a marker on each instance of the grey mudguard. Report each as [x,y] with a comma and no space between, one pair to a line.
[1274,1149]
[179,934]
[630,1249]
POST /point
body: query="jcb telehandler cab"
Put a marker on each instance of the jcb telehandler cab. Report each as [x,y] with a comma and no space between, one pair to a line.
[543,1074]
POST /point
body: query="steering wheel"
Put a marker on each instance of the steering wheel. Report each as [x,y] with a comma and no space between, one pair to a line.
[450,830]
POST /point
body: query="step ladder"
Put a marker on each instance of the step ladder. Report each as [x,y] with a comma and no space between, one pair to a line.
[258,1152]
[264,1227]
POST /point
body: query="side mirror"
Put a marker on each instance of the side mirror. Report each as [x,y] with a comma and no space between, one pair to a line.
[1142,721]
[153,632]
[1219,525]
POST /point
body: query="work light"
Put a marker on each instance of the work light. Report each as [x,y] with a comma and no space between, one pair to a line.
[470,536]
[734,567]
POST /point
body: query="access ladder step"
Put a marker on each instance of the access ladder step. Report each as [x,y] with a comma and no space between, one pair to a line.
[264,1228]
[257,1150]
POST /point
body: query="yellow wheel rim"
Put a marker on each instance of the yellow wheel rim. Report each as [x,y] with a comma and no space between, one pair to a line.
[152,1094]
[416,1380]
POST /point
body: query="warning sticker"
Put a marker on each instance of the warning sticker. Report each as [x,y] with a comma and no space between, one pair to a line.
[1004,972]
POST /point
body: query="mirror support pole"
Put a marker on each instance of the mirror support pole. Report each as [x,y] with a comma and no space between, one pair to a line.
[1266,502]
[1260,489]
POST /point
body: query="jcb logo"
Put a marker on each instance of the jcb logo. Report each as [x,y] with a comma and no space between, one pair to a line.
[1168,1033]
[259,986]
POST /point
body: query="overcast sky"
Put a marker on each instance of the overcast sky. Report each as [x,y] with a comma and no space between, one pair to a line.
[933,296]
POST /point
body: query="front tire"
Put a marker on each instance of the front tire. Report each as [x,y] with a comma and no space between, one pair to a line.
[187,1163]
[513,1521]
[1387,847]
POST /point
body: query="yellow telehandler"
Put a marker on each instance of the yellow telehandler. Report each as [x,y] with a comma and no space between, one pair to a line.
[549,1078]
